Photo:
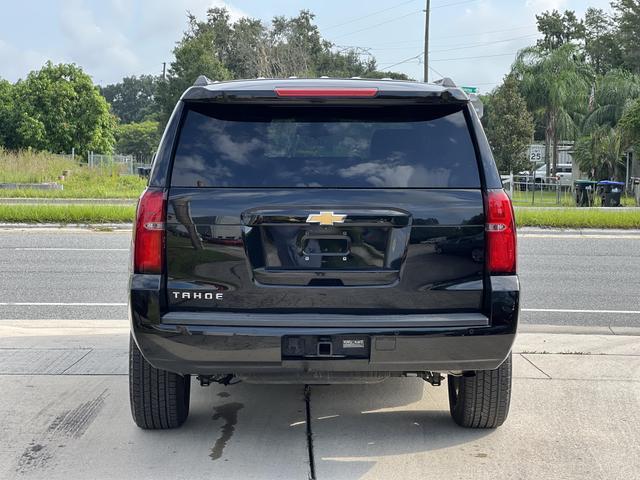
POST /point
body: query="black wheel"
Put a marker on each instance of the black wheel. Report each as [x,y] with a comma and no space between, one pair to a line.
[159,399]
[482,400]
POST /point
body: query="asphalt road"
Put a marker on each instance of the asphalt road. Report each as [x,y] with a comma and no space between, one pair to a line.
[567,278]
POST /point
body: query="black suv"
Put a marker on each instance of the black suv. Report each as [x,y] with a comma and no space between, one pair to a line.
[323,231]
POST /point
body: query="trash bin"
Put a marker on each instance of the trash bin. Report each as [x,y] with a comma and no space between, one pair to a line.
[610,192]
[584,190]
[144,171]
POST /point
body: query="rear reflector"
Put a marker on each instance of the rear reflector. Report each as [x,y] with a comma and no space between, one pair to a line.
[501,234]
[148,243]
[326,92]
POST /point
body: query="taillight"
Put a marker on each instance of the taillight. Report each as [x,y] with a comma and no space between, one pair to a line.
[326,92]
[148,243]
[501,234]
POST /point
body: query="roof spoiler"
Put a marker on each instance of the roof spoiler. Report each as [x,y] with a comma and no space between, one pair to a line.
[446,82]
[473,97]
[202,81]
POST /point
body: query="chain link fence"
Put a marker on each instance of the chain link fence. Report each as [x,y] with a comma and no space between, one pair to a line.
[127,163]
[524,189]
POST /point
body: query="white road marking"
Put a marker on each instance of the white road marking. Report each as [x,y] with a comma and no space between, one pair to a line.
[579,236]
[562,310]
[60,304]
[56,249]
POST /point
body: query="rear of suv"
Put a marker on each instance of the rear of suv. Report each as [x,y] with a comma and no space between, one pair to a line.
[323,231]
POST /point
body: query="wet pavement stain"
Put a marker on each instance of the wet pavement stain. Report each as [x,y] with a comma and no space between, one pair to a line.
[229,413]
[224,394]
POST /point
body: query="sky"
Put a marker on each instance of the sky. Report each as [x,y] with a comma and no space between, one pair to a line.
[472,41]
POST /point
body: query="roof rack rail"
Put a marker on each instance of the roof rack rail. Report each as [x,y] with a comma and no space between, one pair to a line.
[202,81]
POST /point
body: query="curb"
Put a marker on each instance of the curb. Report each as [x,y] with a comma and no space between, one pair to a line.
[578,330]
[578,231]
[66,226]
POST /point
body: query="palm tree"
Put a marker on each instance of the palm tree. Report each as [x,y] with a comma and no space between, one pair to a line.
[556,86]
[600,153]
[614,92]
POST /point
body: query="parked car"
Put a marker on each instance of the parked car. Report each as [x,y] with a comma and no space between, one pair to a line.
[376,242]
[563,176]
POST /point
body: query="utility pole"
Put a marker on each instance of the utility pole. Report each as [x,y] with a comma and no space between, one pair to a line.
[426,41]
[164,70]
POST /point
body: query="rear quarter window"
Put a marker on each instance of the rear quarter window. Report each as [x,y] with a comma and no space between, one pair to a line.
[325,146]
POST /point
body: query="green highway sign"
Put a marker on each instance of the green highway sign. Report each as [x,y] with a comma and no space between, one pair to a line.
[470,89]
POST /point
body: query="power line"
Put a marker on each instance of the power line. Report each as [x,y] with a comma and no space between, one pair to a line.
[415,57]
[356,19]
[435,71]
[488,32]
[386,67]
[464,47]
[379,24]
[453,4]
[396,18]
[457,46]
[476,57]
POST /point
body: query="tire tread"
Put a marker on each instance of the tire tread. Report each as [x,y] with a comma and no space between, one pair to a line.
[483,399]
[159,399]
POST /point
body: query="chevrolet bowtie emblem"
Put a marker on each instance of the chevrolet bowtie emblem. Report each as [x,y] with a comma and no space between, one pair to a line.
[326,218]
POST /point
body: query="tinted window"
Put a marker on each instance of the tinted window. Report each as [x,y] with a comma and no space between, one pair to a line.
[323,146]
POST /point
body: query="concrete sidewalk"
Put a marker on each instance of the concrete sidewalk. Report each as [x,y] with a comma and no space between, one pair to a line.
[64,414]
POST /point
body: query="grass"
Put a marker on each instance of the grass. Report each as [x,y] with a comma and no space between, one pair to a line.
[578,218]
[66,214]
[32,167]
[96,214]
[80,181]
[107,182]
[550,199]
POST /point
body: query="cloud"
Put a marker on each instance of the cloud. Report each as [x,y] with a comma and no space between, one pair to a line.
[118,38]
[16,63]
[543,5]
[169,17]
[97,46]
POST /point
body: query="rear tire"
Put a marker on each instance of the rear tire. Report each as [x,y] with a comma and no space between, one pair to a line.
[482,400]
[159,399]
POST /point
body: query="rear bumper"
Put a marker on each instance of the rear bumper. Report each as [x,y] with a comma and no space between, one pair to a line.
[206,345]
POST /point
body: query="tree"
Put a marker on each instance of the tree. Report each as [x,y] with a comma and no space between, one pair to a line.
[556,87]
[247,48]
[600,154]
[559,30]
[7,114]
[139,139]
[613,93]
[133,99]
[509,126]
[630,124]
[600,43]
[627,17]
[58,108]
[193,57]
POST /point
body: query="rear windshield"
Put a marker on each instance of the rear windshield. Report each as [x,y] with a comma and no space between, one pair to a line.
[325,146]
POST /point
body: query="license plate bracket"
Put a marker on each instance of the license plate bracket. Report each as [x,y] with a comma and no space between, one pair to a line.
[325,347]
